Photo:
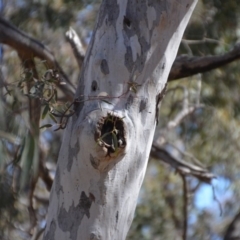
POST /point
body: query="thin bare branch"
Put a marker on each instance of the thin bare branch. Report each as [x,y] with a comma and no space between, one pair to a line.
[185,66]
[216,199]
[201,41]
[186,108]
[181,166]
[185,207]
[77,46]
[181,115]
[189,155]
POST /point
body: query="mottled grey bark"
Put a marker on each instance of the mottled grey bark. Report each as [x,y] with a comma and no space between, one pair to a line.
[107,142]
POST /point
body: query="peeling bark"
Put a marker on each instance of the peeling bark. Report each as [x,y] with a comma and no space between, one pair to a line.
[106,145]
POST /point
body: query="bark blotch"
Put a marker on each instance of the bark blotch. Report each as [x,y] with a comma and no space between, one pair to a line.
[58,186]
[129,59]
[104,67]
[71,154]
[145,46]
[94,86]
[94,161]
[50,235]
[102,190]
[126,22]
[117,217]
[69,221]
[93,236]
[129,102]
[160,7]
[143,105]
[137,12]
[109,8]
[92,197]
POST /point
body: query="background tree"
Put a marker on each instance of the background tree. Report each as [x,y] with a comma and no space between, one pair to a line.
[208,129]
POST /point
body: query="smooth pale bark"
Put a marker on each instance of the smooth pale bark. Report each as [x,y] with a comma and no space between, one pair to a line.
[107,142]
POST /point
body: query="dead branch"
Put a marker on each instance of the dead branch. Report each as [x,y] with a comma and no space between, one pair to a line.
[185,66]
[181,166]
[77,46]
[185,207]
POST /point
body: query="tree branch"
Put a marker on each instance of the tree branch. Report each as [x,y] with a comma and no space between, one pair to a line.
[181,166]
[29,47]
[233,230]
[185,66]
[185,207]
[77,46]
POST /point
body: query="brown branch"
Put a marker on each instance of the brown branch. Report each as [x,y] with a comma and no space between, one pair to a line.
[29,48]
[181,166]
[185,207]
[185,66]
[34,119]
[216,199]
[233,230]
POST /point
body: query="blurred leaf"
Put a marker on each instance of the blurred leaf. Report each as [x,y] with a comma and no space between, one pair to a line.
[53,118]
[46,126]
[115,142]
[27,160]
[56,95]
[45,111]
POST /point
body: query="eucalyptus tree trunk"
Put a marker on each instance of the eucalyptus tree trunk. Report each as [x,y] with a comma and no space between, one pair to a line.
[107,142]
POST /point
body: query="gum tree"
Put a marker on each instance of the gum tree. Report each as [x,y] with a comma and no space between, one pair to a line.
[107,141]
